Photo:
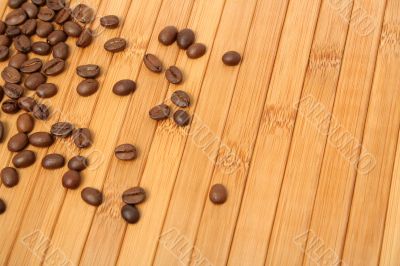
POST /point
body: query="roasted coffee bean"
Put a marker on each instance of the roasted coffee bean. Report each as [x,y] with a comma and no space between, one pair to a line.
[26,103]
[110,22]
[71,179]
[43,29]
[18,142]
[62,129]
[39,2]
[174,75]
[1,93]
[130,214]
[88,71]
[87,87]
[78,163]
[4,53]
[24,159]
[168,35]
[134,195]
[115,45]
[53,67]
[22,44]
[126,152]
[16,17]
[181,118]
[92,196]
[5,41]
[41,139]
[41,48]
[2,130]
[63,15]
[13,31]
[185,38]
[196,50]
[13,91]
[72,29]
[61,50]
[10,106]
[83,13]
[124,87]
[56,36]
[46,90]
[31,65]
[29,27]
[33,81]
[15,3]
[160,112]
[3,206]
[17,60]
[9,177]
[41,111]
[25,123]
[11,75]
[3,27]
[82,138]
[55,5]
[53,161]
[153,63]
[30,9]
[218,194]
[46,14]
[231,58]
[85,39]
[180,99]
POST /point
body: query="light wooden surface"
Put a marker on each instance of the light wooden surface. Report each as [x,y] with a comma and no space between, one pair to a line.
[303,133]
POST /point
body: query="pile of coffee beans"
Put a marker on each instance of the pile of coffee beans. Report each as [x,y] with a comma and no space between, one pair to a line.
[131,198]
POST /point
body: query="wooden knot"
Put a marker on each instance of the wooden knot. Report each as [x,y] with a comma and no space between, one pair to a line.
[278,120]
[390,38]
[323,58]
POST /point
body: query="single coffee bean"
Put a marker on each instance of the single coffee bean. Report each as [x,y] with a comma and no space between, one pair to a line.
[185,38]
[5,41]
[174,75]
[130,214]
[126,152]
[196,50]
[18,142]
[134,195]
[11,75]
[41,111]
[218,194]
[2,130]
[41,48]
[22,44]
[43,29]
[16,17]
[83,14]
[9,177]
[53,67]
[231,58]
[39,2]
[13,31]
[153,63]
[56,36]
[63,15]
[71,179]
[29,27]
[31,65]
[87,87]
[55,5]
[168,35]
[72,29]
[78,163]
[10,106]
[3,206]
[61,50]
[110,22]
[1,93]
[3,27]
[4,53]
[82,138]
[124,87]
[41,139]
[13,91]
[33,81]
[62,129]
[26,103]
[88,71]
[160,112]
[15,3]
[92,196]
[17,60]
[46,14]
[24,159]
[181,118]
[85,39]
[180,99]
[53,161]
[25,123]
[46,90]
[115,45]
[30,9]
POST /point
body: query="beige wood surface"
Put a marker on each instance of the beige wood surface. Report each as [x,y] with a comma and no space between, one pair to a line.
[315,95]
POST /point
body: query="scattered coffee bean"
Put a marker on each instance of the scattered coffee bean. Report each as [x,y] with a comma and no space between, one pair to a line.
[124,87]
[24,159]
[5,41]
[218,194]
[196,50]
[62,129]
[231,58]
[153,63]
[41,48]
[88,71]
[92,196]
[63,15]
[43,29]
[13,31]
[87,87]
[82,138]
[18,142]
[126,152]
[16,17]
[160,112]
[4,53]
[168,35]
[3,27]
[46,14]
[26,103]
[53,67]
[71,179]
[180,99]
[134,196]
[46,90]
[30,9]
[53,161]
[85,39]
[130,214]
[61,50]
[181,118]
[3,206]
[83,13]
[174,75]
[41,139]
[25,123]
[78,163]
[29,27]
[1,93]
[41,111]
[33,81]
[110,22]
[10,106]
[17,60]
[15,3]
[72,29]
[39,2]
[2,130]
[11,75]
[31,65]
[185,38]
[22,44]
[13,91]
[9,177]
[56,36]
[115,45]
[56,5]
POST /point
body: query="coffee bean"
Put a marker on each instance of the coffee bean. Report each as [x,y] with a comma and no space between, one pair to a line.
[72,29]
[31,65]
[71,179]
[124,87]
[126,152]
[15,3]
[53,161]
[10,107]
[39,2]
[196,50]
[13,91]
[82,138]
[87,87]
[153,63]
[231,58]
[43,29]
[83,13]
[2,131]
[16,17]
[11,75]
[115,45]
[63,15]
[218,194]
[110,22]
[174,75]
[24,159]
[4,53]
[185,38]
[13,31]
[18,142]
[17,60]
[168,35]
[46,14]
[41,48]
[26,103]
[41,111]
[1,93]
[5,41]
[22,44]
[3,27]
[78,163]
[3,206]
[30,9]
[53,67]
[130,214]
[62,129]
[55,5]
[29,27]
[41,139]
[46,90]
[180,99]
[33,81]
[85,39]
[25,123]
[134,195]
[61,50]
[160,112]
[88,71]
[92,196]
[181,118]
[9,177]
[56,36]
